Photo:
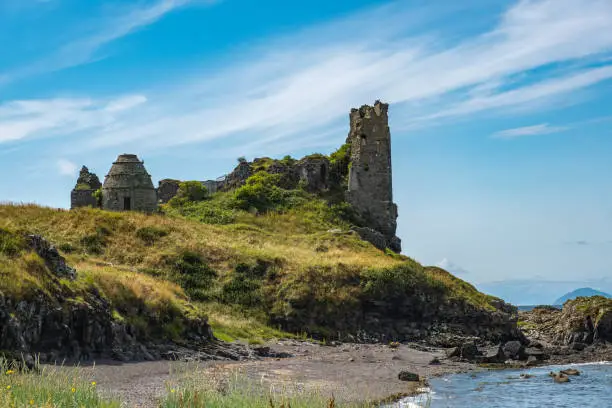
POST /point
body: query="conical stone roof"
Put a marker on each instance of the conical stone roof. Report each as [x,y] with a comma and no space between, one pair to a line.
[128,172]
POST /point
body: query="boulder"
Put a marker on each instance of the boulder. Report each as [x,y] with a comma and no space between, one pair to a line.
[466,351]
[537,353]
[408,376]
[493,355]
[514,350]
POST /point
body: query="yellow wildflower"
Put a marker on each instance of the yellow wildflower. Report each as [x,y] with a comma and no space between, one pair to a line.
[9,372]
[73,390]
[31,402]
[8,387]
[93,383]
[172,391]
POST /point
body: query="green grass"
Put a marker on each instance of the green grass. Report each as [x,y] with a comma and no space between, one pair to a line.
[51,388]
[523,325]
[238,391]
[279,269]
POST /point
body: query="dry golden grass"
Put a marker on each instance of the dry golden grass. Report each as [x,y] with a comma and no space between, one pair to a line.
[134,259]
[274,236]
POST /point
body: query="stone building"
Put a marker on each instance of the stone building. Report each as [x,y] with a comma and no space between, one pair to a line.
[83,193]
[128,186]
[370,188]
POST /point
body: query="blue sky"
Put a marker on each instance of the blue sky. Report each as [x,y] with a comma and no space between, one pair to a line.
[501,112]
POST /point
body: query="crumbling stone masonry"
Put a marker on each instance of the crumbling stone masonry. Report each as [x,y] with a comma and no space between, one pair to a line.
[370,188]
[83,193]
[128,186]
[167,188]
[314,173]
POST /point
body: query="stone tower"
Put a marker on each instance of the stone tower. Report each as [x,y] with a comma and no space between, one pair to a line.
[128,186]
[370,188]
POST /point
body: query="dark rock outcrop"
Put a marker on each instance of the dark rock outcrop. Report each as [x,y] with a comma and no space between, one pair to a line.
[59,322]
[238,176]
[581,322]
[54,261]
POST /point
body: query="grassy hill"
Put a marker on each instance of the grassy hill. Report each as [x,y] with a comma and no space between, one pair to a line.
[298,269]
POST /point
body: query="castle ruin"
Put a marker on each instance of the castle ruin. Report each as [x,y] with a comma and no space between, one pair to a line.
[369,188]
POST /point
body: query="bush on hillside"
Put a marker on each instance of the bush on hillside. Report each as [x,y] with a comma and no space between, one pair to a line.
[261,192]
[189,191]
[192,273]
[10,244]
[150,234]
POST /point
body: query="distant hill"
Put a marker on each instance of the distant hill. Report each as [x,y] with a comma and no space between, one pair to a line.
[580,292]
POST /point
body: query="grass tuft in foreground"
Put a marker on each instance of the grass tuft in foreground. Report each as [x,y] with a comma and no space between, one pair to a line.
[240,392]
[49,388]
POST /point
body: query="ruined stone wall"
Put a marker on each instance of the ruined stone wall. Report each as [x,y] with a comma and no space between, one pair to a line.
[370,188]
[314,173]
[211,186]
[82,198]
[167,189]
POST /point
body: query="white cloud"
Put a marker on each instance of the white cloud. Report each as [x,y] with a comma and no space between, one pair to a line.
[125,103]
[84,49]
[66,167]
[541,129]
[53,117]
[453,268]
[285,90]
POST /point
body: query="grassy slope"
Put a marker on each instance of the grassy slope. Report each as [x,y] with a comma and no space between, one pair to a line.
[227,270]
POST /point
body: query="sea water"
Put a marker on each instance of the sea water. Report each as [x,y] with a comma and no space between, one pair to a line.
[506,389]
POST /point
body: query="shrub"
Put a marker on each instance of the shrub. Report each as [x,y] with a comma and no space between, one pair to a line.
[261,192]
[193,274]
[95,243]
[82,186]
[189,191]
[398,282]
[341,155]
[98,196]
[66,247]
[149,235]
[10,244]
[242,290]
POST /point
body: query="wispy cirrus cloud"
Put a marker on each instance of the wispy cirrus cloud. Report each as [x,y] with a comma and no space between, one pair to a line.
[61,117]
[541,129]
[292,91]
[124,20]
